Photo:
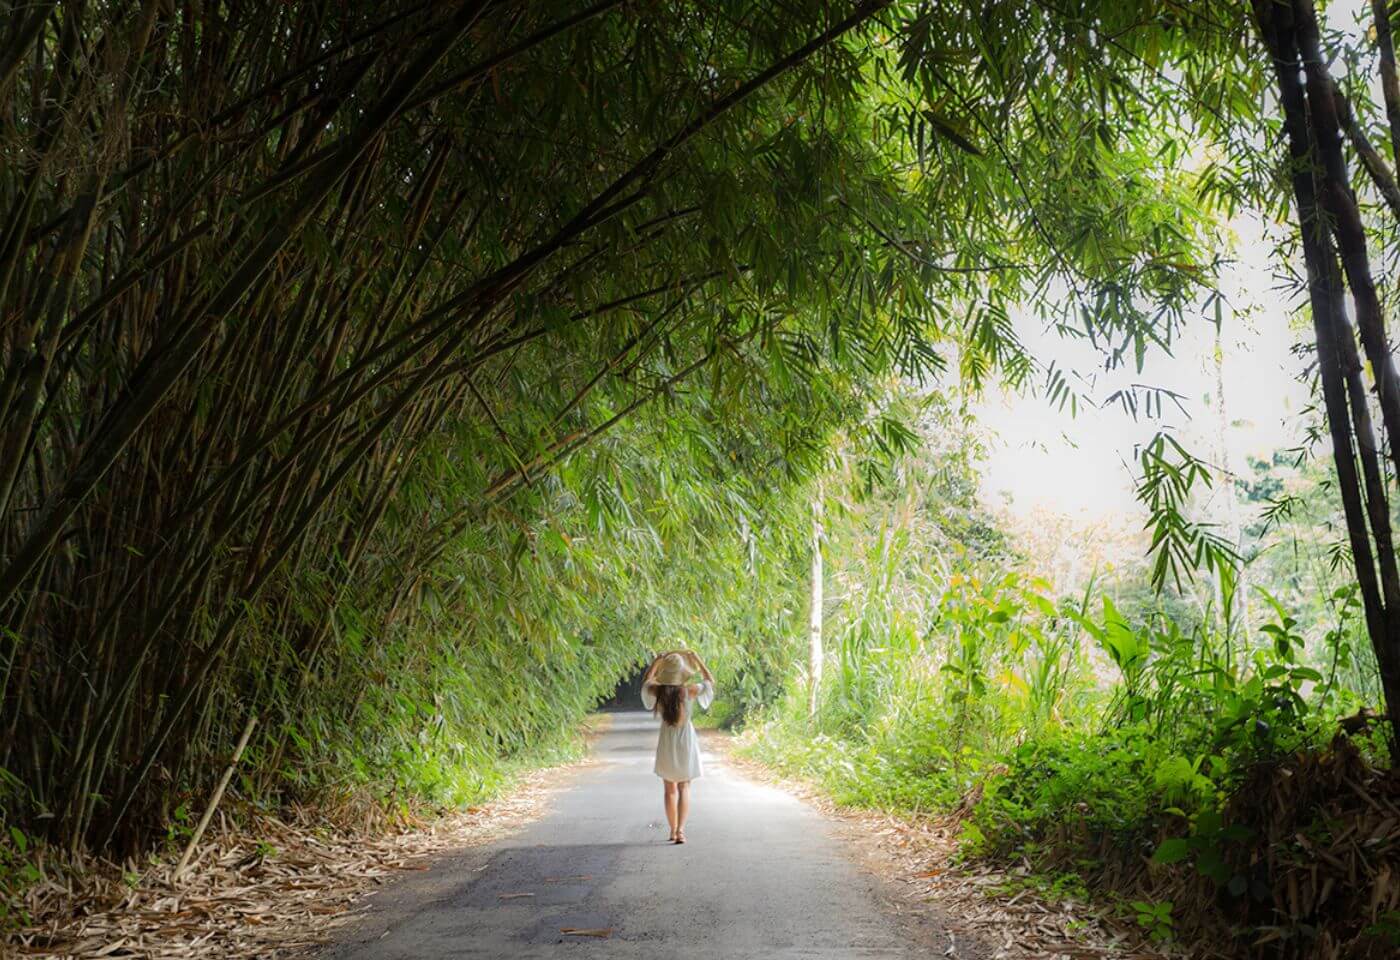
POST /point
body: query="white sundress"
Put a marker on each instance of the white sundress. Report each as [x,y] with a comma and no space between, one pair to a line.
[678,748]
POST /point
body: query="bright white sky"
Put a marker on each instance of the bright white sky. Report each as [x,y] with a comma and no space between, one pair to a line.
[1085,466]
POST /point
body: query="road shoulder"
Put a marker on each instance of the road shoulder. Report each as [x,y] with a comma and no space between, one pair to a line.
[981,910]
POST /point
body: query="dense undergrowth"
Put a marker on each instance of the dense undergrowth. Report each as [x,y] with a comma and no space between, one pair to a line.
[1212,781]
[1165,818]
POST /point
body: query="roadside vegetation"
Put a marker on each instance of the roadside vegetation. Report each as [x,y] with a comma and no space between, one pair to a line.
[385,380]
[1204,776]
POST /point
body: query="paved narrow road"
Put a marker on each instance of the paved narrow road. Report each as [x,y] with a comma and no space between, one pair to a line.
[761,877]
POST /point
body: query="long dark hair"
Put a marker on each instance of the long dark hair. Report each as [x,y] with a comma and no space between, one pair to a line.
[670,699]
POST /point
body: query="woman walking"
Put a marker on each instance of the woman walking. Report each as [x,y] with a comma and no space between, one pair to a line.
[669,690]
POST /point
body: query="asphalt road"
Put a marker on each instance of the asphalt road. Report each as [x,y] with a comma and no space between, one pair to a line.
[761,876]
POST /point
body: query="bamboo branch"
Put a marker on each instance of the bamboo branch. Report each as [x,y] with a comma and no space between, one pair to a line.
[1340,204]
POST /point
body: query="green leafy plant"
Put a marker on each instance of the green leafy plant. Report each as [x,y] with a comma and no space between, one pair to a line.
[1155,919]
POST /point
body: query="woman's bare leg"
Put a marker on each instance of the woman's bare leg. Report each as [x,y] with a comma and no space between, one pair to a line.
[669,788]
[682,808]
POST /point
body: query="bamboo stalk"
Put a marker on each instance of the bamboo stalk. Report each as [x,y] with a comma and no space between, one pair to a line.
[1277,26]
[214,799]
[1390,83]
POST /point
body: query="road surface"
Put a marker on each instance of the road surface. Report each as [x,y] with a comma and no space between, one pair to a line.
[761,876]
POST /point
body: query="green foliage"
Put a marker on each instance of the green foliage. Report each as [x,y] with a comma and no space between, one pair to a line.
[1170,474]
[1081,735]
[1155,918]
[382,378]
[407,379]
[17,873]
[1296,546]
[464,359]
[1387,928]
[1123,770]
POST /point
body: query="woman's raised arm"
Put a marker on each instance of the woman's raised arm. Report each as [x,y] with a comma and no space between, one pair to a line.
[699,664]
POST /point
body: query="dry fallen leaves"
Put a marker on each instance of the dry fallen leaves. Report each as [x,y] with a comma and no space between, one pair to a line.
[600,932]
[265,890]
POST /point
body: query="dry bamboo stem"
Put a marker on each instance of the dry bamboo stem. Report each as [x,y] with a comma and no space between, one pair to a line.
[214,800]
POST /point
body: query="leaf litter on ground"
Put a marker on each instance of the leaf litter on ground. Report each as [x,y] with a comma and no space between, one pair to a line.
[272,887]
[600,932]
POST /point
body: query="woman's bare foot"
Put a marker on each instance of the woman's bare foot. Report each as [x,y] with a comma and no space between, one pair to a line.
[680,836]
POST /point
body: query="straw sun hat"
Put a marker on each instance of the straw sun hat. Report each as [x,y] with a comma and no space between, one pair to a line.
[672,671]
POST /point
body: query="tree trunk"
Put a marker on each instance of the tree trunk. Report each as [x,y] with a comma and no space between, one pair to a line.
[1325,204]
[1390,84]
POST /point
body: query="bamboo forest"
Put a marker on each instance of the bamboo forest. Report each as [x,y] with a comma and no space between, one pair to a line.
[994,401]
